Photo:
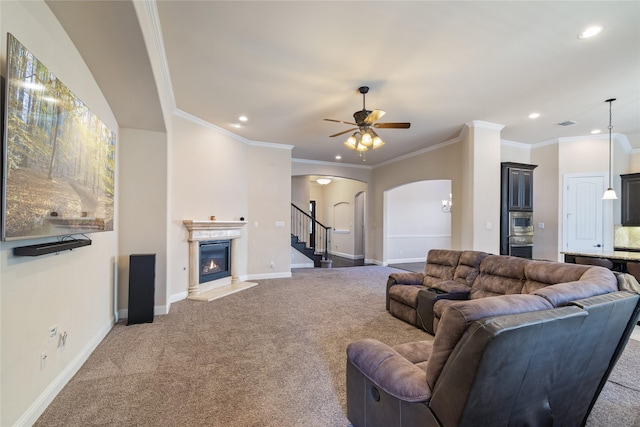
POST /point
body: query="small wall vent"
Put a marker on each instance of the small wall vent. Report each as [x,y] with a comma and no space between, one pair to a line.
[567,123]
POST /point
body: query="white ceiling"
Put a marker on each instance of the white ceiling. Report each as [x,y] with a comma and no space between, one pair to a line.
[289,64]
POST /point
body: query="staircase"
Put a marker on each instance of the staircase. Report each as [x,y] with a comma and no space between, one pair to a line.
[308,252]
[309,236]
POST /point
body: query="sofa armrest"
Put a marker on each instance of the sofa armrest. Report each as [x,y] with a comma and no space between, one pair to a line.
[407,278]
[427,299]
[451,287]
[387,368]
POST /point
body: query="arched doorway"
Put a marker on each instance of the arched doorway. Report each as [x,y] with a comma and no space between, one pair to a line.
[415,221]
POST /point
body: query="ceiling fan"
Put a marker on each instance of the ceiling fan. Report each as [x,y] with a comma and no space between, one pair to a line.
[365,120]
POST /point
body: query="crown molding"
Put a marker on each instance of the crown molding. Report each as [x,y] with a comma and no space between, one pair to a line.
[515,144]
[271,145]
[422,151]
[484,125]
[337,164]
[150,8]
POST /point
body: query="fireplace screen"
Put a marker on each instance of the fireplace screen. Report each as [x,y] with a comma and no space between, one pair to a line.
[215,262]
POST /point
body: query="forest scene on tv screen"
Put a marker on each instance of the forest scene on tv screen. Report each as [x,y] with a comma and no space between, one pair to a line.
[59,158]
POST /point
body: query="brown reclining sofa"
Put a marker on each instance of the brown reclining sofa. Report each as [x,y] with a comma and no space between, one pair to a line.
[526,343]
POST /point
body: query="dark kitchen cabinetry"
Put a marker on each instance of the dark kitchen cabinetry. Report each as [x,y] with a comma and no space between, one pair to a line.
[516,195]
[517,182]
[631,199]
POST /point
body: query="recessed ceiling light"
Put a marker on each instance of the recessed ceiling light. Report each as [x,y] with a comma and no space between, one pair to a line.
[236,125]
[338,157]
[534,115]
[243,118]
[595,131]
[591,31]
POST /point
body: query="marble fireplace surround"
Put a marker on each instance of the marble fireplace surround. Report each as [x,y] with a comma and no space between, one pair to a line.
[205,230]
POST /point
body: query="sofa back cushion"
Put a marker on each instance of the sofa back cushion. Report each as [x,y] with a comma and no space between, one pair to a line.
[441,265]
[468,267]
[595,281]
[499,275]
[544,273]
[458,315]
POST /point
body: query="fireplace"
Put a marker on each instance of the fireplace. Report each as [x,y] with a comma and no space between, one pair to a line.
[215,262]
[202,234]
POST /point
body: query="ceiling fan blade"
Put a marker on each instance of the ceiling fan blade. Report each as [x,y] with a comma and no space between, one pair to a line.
[342,133]
[374,116]
[340,121]
[403,125]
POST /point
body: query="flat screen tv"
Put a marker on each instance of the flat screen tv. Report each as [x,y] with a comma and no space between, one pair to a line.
[58,158]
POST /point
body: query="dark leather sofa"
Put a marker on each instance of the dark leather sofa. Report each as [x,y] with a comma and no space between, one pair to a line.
[537,358]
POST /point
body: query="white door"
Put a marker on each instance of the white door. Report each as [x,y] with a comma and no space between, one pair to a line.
[583,212]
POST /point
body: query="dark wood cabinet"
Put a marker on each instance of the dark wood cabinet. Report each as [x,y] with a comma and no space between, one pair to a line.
[516,195]
[631,199]
[520,188]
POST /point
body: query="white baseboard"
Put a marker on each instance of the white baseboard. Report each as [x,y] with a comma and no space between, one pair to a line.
[303,265]
[405,260]
[46,397]
[374,262]
[179,296]
[281,275]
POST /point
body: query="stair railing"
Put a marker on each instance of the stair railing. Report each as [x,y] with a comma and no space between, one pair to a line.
[310,231]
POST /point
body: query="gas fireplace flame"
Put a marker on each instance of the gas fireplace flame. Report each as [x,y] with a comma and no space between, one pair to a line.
[210,267]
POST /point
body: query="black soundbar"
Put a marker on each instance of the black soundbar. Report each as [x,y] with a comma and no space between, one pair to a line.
[51,247]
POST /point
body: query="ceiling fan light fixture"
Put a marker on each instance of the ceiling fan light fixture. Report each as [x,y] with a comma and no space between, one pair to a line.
[361,148]
[377,142]
[366,139]
[351,142]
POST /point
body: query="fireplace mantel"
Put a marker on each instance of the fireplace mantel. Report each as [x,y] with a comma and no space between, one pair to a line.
[203,230]
[207,230]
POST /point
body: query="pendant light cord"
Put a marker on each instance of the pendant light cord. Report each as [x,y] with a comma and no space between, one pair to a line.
[610,128]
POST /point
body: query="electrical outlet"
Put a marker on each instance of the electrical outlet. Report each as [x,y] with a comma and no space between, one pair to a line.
[43,360]
[53,332]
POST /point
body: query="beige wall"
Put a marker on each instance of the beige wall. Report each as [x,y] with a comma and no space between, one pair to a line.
[143,209]
[74,289]
[210,174]
[547,210]
[482,188]
[634,162]
[442,162]
[300,192]
[341,192]
[269,198]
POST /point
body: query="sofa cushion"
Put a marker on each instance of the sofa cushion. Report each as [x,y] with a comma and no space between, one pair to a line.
[468,267]
[499,275]
[390,370]
[459,314]
[543,273]
[564,293]
[406,294]
[451,287]
[441,265]
[627,282]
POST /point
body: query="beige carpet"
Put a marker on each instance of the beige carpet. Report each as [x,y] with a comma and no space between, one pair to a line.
[271,355]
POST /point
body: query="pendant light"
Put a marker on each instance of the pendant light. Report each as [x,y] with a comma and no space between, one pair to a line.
[610,194]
